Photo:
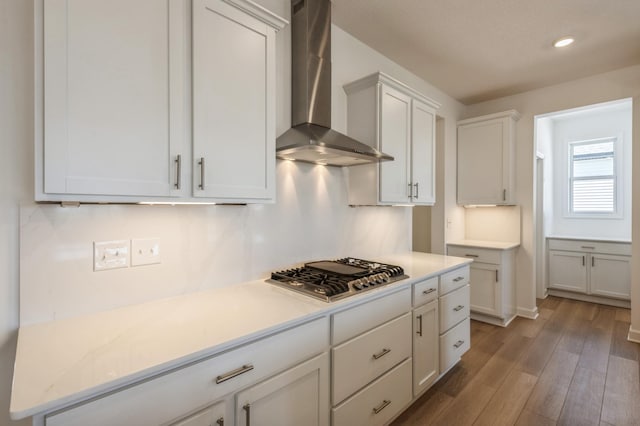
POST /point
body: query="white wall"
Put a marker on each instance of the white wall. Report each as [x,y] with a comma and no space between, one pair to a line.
[604,121]
[493,223]
[609,86]
[198,243]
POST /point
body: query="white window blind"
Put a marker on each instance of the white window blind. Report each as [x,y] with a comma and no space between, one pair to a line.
[592,186]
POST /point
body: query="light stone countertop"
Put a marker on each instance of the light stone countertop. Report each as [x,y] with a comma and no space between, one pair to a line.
[62,362]
[498,245]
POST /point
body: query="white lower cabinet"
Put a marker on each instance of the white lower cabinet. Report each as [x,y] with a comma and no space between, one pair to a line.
[592,268]
[299,396]
[425,347]
[379,402]
[454,328]
[492,280]
[454,343]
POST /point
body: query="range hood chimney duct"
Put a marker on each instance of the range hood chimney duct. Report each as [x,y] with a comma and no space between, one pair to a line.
[311,138]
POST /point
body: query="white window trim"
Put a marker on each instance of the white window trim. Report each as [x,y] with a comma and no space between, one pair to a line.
[618,172]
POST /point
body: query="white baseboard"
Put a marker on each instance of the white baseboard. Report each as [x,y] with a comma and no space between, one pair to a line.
[589,298]
[634,335]
[528,313]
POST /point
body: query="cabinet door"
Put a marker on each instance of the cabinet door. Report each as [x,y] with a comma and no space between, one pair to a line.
[481,158]
[212,416]
[610,275]
[486,294]
[114,98]
[423,120]
[425,347]
[395,138]
[298,396]
[233,103]
[568,270]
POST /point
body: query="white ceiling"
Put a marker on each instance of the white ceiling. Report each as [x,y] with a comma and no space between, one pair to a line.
[476,50]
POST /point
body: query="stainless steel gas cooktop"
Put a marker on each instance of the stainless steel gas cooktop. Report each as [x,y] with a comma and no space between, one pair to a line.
[331,280]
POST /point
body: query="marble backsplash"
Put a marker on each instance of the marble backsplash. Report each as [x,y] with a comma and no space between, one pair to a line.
[201,247]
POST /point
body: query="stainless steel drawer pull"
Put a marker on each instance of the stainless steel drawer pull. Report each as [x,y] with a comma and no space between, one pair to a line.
[431,290]
[235,373]
[593,261]
[455,280]
[582,260]
[247,410]
[201,164]
[410,190]
[504,195]
[419,332]
[381,354]
[471,255]
[417,190]
[381,406]
[458,344]
[220,421]
[458,308]
[588,247]
[178,171]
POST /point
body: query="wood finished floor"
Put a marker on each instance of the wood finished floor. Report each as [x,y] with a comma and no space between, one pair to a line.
[571,366]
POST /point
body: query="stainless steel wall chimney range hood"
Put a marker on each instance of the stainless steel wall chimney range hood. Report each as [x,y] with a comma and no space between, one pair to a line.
[311,138]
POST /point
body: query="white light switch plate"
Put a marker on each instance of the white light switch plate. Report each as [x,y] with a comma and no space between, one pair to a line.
[145,251]
[110,255]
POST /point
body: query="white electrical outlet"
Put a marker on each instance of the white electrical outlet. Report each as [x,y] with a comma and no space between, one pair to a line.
[110,255]
[145,251]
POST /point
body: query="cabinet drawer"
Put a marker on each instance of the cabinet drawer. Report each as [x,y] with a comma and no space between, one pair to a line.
[483,255]
[453,344]
[454,279]
[590,246]
[354,321]
[454,307]
[379,402]
[425,291]
[359,361]
[168,396]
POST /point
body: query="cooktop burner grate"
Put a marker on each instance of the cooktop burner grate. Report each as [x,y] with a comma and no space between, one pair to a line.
[331,280]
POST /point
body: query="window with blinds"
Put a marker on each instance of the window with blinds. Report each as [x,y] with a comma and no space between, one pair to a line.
[592,177]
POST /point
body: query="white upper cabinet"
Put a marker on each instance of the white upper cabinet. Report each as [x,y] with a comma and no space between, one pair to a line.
[397,120]
[114,98]
[486,159]
[233,101]
[114,88]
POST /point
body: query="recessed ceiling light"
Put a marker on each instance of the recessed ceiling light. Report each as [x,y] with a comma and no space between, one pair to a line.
[563,42]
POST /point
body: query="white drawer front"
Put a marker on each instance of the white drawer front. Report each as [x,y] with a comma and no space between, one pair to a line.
[454,279]
[453,344]
[454,307]
[482,255]
[379,402]
[359,361]
[590,246]
[172,395]
[354,321]
[425,291]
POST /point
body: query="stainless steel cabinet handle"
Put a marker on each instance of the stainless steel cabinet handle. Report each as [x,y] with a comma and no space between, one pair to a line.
[582,260]
[458,308]
[588,247]
[201,164]
[497,275]
[431,290]
[458,344]
[234,373]
[247,411]
[417,189]
[419,332]
[410,190]
[381,354]
[593,261]
[504,195]
[220,421]
[455,280]
[178,171]
[382,406]
[471,255]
